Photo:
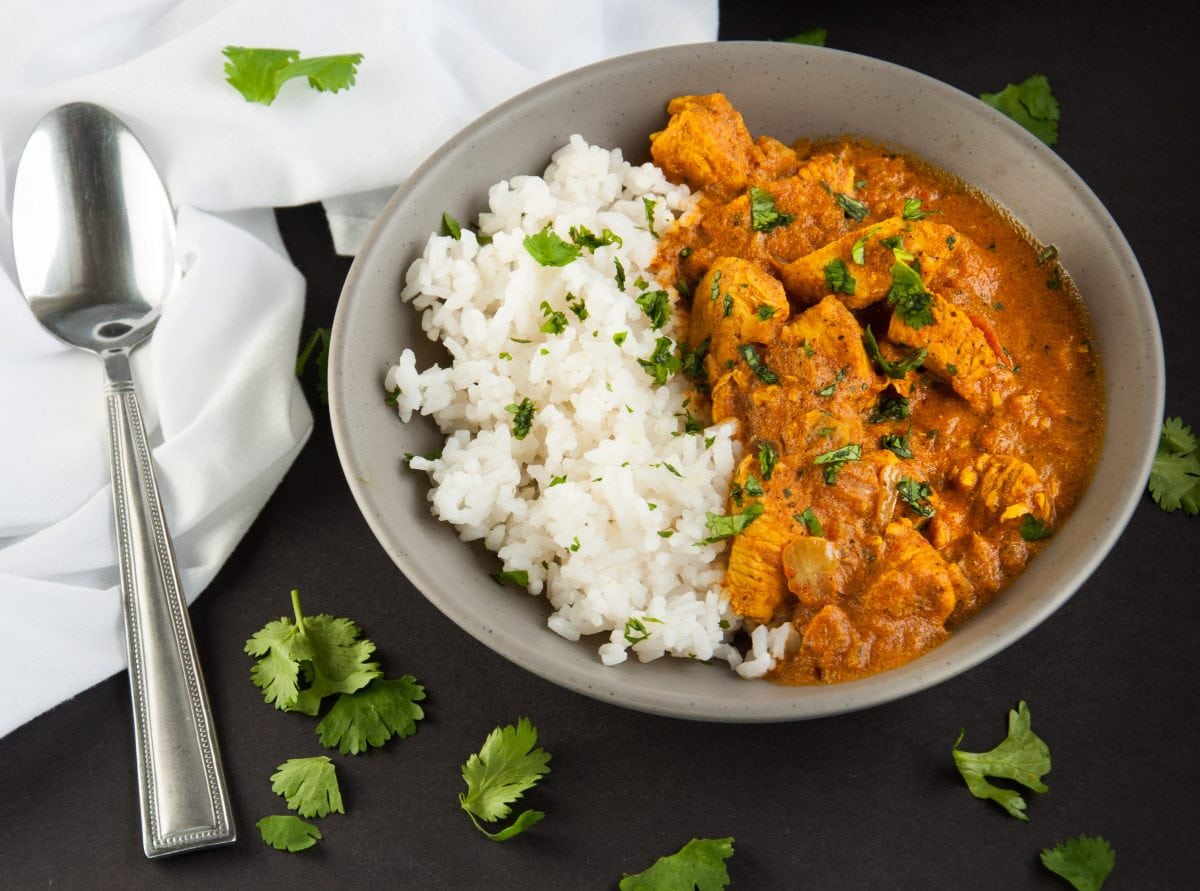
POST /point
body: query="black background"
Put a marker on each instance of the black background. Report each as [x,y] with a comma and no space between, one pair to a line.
[866,800]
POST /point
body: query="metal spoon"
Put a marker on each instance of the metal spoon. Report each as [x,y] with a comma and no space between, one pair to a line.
[94,239]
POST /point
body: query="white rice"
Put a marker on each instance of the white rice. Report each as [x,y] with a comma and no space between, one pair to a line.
[604,502]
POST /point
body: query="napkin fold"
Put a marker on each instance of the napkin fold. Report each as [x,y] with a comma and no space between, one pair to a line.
[217,385]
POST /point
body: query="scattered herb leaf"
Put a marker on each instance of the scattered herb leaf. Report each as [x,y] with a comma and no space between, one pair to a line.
[1031,104]
[550,250]
[287,832]
[764,215]
[373,715]
[309,785]
[507,766]
[522,417]
[1021,757]
[258,72]
[1084,862]
[700,864]
[1175,474]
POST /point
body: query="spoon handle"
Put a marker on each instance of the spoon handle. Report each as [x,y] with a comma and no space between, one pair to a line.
[184,799]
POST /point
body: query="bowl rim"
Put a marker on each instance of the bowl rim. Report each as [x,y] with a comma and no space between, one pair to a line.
[613,685]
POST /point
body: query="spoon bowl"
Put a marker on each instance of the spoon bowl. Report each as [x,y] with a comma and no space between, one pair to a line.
[94,243]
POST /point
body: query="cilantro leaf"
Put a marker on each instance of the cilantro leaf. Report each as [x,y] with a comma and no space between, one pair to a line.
[894,370]
[309,785]
[662,362]
[648,205]
[721,526]
[1175,474]
[321,651]
[550,250]
[916,494]
[1084,862]
[1033,529]
[1031,104]
[764,215]
[519,577]
[258,72]
[585,238]
[749,352]
[373,715]
[838,278]
[767,459]
[912,210]
[656,305]
[1022,757]
[522,417]
[851,207]
[287,832]
[811,521]
[319,338]
[508,766]
[890,410]
[908,297]
[831,462]
[698,864]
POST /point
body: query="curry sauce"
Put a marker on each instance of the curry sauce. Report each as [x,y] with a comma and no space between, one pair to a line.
[910,373]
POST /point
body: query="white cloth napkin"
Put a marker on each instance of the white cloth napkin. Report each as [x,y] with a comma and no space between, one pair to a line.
[217,385]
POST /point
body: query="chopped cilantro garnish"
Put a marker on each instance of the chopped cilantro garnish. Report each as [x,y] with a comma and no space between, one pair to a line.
[584,238]
[714,288]
[1033,529]
[753,486]
[648,205]
[556,481]
[765,312]
[550,250]
[951,369]
[916,495]
[912,210]
[894,370]
[851,207]
[556,321]
[656,305]
[519,577]
[721,526]
[451,227]
[693,362]
[1047,254]
[767,459]
[727,305]
[749,352]
[831,462]
[635,627]
[764,216]
[619,337]
[393,397]
[909,298]
[838,278]
[522,417]
[620,273]
[897,444]
[662,362]
[577,306]
[810,521]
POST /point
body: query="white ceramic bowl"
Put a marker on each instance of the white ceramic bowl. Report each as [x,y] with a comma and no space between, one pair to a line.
[786,91]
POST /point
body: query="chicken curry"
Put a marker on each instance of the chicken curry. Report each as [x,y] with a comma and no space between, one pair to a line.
[911,377]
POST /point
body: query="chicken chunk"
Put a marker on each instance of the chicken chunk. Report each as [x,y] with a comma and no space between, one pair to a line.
[705,144]
[736,303]
[959,353]
[807,281]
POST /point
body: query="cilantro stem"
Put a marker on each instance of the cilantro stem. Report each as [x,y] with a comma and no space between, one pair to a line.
[296,608]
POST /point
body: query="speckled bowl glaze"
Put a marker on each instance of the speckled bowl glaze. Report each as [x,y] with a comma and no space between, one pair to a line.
[786,91]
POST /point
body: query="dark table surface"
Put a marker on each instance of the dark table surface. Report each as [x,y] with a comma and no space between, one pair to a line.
[864,800]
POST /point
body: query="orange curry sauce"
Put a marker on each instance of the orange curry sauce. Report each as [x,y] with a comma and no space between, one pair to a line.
[877,510]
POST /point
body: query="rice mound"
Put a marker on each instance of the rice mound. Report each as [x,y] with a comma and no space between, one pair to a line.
[603,503]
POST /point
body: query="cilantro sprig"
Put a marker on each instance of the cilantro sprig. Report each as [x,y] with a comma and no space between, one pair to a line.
[258,72]
[1175,474]
[507,766]
[303,661]
[908,297]
[764,215]
[698,864]
[1022,757]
